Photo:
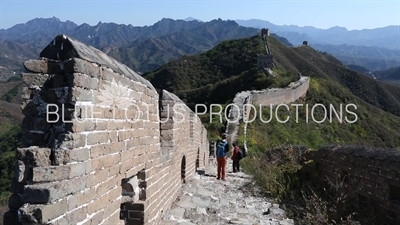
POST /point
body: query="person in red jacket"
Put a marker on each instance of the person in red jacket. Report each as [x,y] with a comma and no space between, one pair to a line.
[236,158]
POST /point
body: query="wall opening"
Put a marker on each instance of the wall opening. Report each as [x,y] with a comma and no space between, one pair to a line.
[198,159]
[133,197]
[183,169]
[204,159]
[394,193]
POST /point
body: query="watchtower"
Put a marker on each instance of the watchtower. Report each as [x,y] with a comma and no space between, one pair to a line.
[265,61]
[264,32]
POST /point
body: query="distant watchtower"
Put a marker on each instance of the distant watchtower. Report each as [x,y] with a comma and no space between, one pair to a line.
[264,32]
[265,61]
[305,43]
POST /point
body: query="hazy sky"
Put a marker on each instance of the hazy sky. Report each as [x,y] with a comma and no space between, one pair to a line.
[351,14]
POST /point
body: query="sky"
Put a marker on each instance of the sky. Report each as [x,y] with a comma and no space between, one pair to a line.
[352,14]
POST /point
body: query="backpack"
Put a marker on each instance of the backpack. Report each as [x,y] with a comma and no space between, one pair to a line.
[244,152]
[240,155]
[221,148]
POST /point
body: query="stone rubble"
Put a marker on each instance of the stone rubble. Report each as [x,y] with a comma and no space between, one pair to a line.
[206,200]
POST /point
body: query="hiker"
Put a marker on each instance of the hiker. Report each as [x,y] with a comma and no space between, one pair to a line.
[221,151]
[236,157]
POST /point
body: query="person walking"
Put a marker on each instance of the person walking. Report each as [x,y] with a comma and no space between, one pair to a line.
[236,157]
[221,152]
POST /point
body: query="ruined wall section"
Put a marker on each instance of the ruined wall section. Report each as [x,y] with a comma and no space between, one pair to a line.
[74,172]
[365,174]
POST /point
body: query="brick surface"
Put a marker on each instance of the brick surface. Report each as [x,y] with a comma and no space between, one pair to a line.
[82,172]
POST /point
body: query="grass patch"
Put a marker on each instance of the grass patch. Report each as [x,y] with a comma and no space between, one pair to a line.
[296,185]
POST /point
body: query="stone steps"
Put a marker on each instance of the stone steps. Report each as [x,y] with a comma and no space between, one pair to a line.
[206,200]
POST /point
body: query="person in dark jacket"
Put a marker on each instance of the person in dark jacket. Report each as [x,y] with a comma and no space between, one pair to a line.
[235,158]
[221,151]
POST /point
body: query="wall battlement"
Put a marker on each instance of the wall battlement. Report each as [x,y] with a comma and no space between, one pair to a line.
[99,144]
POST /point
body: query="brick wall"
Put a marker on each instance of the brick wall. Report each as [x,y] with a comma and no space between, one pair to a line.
[105,155]
[365,174]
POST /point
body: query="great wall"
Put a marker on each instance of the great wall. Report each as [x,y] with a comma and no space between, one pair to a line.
[245,101]
[94,164]
[99,163]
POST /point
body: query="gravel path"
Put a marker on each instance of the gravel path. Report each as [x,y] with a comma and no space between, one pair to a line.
[206,200]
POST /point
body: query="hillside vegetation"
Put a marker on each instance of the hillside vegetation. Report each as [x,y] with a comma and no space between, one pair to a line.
[218,74]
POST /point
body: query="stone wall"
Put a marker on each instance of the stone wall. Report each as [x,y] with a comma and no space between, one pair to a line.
[365,174]
[273,96]
[98,145]
[276,96]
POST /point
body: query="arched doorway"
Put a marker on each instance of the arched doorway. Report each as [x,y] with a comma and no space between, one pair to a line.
[183,169]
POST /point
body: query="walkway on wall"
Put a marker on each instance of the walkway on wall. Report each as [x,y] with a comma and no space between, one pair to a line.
[206,200]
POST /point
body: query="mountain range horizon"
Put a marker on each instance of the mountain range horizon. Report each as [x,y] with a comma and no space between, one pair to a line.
[189,18]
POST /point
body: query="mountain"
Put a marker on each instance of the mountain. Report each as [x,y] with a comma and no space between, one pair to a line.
[156,51]
[12,56]
[217,75]
[376,49]
[141,48]
[37,31]
[385,37]
[176,38]
[191,19]
[117,35]
[371,57]
[391,75]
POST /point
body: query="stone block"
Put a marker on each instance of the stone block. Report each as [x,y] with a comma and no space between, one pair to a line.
[84,81]
[84,125]
[76,216]
[80,94]
[99,176]
[51,192]
[108,74]
[97,138]
[77,65]
[106,186]
[98,204]
[25,93]
[113,207]
[102,162]
[63,156]
[34,156]
[42,214]
[72,140]
[77,200]
[115,193]
[34,79]
[97,218]
[51,173]
[77,170]
[43,66]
